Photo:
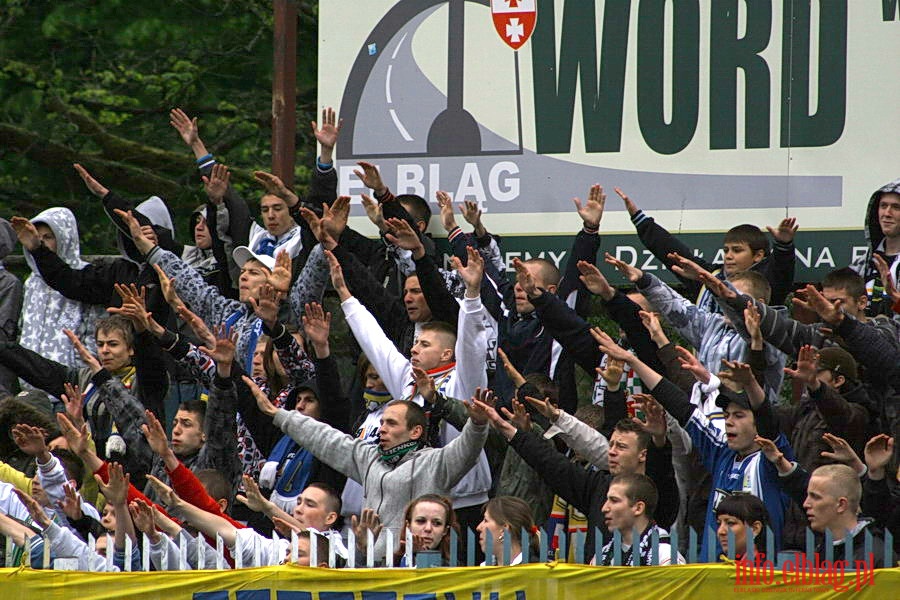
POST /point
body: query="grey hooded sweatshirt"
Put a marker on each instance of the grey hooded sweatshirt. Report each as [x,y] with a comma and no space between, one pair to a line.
[46,312]
[879,302]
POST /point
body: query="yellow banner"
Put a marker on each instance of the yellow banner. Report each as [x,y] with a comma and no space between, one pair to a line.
[540,581]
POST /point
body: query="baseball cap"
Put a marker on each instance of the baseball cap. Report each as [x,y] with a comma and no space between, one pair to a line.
[726,397]
[838,361]
[242,254]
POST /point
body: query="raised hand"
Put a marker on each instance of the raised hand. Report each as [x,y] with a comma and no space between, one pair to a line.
[197,326]
[217,183]
[807,367]
[630,206]
[483,402]
[134,308]
[829,311]
[93,186]
[223,351]
[28,234]
[448,220]
[592,211]
[167,286]
[685,267]
[141,241]
[401,234]
[785,231]
[842,452]
[654,421]
[610,347]
[317,325]
[651,323]
[73,401]
[327,133]
[690,363]
[472,214]
[519,417]
[334,217]
[878,453]
[30,440]
[370,177]
[34,509]
[71,503]
[773,454]
[266,308]
[155,434]
[143,518]
[89,359]
[594,280]
[752,321]
[262,401]
[715,285]
[425,385]
[525,279]
[280,277]
[479,410]
[185,126]
[612,374]
[472,272]
[738,374]
[165,493]
[337,277]
[315,225]
[632,274]
[115,489]
[254,500]
[275,187]
[284,527]
[77,438]
[374,212]
[884,273]
[511,371]
[368,521]
[545,407]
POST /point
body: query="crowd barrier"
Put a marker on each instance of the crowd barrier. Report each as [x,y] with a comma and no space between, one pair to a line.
[522,582]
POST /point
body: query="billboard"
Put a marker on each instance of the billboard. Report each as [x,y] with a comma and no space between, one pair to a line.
[708,113]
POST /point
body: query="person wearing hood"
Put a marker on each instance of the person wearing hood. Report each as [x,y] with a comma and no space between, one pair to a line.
[45,311]
[882,228]
[10,302]
[95,283]
[282,226]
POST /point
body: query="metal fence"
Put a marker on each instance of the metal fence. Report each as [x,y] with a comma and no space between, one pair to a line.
[187,558]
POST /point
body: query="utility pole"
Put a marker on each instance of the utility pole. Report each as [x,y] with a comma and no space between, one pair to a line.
[284,91]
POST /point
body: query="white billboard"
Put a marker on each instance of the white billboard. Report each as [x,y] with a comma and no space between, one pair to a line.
[707,113]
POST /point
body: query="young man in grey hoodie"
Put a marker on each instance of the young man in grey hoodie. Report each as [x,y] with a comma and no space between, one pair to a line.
[398,469]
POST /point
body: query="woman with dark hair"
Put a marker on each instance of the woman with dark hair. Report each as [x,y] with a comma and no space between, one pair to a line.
[741,514]
[505,518]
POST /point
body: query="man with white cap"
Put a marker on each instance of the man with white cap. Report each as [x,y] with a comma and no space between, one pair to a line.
[260,274]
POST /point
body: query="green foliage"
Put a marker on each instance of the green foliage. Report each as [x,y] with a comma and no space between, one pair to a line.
[93,81]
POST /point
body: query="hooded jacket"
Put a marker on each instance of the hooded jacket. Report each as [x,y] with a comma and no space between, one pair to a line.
[10,300]
[879,302]
[45,311]
[94,283]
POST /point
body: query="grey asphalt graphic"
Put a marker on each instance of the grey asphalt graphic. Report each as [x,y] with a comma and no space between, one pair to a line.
[389,107]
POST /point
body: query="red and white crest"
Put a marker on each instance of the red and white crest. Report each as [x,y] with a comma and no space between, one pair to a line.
[514,20]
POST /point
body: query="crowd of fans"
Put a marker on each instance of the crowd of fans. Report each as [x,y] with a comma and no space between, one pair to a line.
[186,393]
